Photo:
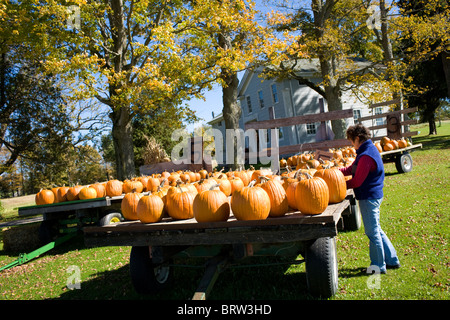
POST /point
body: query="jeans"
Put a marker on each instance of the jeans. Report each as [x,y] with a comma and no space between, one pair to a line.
[381,250]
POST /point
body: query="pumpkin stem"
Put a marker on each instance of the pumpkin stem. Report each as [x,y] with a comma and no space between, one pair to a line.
[252,183]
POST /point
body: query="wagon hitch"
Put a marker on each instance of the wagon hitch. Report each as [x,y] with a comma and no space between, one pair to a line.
[25,257]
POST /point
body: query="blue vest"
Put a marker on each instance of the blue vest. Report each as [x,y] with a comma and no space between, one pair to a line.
[372,187]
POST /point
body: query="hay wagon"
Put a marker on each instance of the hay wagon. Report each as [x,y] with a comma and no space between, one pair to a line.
[155,246]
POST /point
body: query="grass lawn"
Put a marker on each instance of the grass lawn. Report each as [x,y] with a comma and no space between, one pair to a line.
[414,214]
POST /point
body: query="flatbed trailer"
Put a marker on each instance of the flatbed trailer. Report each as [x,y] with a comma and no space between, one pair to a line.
[401,157]
[68,216]
[156,245]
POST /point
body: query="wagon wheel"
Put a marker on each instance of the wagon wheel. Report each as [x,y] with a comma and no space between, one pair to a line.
[352,216]
[147,277]
[404,163]
[321,267]
[110,217]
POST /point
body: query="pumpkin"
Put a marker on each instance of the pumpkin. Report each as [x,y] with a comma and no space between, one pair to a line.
[388,147]
[379,148]
[312,195]
[129,205]
[203,184]
[384,140]
[44,196]
[277,195]
[335,180]
[180,203]
[283,163]
[250,203]
[100,189]
[114,188]
[258,173]
[203,174]
[402,143]
[244,176]
[290,184]
[153,184]
[236,183]
[211,205]
[72,193]
[224,184]
[87,193]
[61,194]
[150,208]
[130,185]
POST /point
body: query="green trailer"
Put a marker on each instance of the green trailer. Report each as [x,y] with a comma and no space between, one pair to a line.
[61,222]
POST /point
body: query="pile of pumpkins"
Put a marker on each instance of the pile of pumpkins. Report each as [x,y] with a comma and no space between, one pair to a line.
[251,194]
[387,144]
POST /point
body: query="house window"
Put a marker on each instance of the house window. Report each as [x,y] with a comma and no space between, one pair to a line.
[356,115]
[280,133]
[379,121]
[261,99]
[311,128]
[274,93]
[249,105]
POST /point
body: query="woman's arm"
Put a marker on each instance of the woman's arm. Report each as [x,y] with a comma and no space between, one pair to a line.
[365,165]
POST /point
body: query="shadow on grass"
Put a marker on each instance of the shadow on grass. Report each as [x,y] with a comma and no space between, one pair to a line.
[433,142]
[234,283]
[352,273]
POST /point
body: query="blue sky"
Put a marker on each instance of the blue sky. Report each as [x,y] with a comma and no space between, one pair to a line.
[204,108]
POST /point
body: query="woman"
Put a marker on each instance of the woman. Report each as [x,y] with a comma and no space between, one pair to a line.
[367,173]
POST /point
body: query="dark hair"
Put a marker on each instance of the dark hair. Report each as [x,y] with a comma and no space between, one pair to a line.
[358,130]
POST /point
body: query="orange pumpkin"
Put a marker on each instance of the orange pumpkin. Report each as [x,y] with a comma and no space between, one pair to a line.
[150,208]
[72,193]
[236,184]
[44,196]
[153,184]
[130,185]
[129,205]
[336,183]
[180,203]
[278,199]
[224,184]
[100,189]
[114,188]
[250,203]
[61,194]
[312,195]
[211,205]
[87,193]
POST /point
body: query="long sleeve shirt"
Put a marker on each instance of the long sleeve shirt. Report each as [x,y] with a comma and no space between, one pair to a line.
[365,165]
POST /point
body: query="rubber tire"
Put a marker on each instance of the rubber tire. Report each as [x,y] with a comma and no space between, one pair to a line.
[109,217]
[321,267]
[352,218]
[404,163]
[146,277]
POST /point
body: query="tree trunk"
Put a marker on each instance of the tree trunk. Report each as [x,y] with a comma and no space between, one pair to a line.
[446,66]
[121,115]
[122,133]
[231,110]
[432,125]
[332,90]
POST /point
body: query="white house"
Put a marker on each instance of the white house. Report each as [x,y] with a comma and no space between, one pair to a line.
[263,99]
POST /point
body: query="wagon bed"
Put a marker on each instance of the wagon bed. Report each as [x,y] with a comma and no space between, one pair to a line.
[227,242]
